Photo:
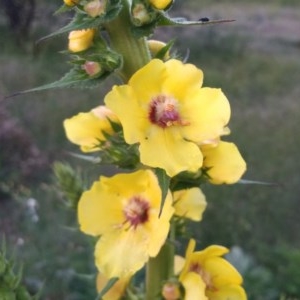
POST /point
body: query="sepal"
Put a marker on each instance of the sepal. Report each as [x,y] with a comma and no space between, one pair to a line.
[64,8]
[77,77]
[114,150]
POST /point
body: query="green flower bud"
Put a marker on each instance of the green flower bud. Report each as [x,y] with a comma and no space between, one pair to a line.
[140,14]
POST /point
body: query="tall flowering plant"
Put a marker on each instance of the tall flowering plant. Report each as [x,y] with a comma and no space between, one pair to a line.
[164,131]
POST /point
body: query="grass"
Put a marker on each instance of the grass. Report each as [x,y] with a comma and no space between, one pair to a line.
[263,220]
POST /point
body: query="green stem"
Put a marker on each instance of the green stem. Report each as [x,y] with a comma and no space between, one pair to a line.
[159,269]
[134,51]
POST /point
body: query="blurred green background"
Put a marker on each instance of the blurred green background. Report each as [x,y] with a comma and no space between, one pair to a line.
[255,60]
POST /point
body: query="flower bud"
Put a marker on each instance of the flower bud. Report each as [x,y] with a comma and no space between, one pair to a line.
[161,4]
[170,291]
[95,8]
[92,68]
[155,46]
[140,14]
[70,2]
[80,40]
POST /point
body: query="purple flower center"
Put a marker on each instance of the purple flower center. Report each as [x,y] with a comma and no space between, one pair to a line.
[136,211]
[163,111]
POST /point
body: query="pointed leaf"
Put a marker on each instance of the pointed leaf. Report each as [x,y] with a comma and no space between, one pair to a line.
[62,9]
[163,51]
[107,287]
[165,20]
[164,182]
[71,79]
[89,158]
[246,181]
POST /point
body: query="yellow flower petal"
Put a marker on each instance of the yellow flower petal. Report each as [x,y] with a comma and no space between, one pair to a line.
[148,81]
[121,253]
[212,251]
[224,163]
[179,262]
[208,112]
[86,129]
[160,4]
[194,287]
[167,150]
[181,79]
[99,209]
[222,272]
[189,203]
[116,291]
[161,227]
[123,102]
[229,292]
[188,258]
[70,2]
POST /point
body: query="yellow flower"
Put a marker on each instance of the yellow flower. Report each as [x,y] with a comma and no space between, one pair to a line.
[124,211]
[223,163]
[189,203]
[160,4]
[70,2]
[164,108]
[116,291]
[86,129]
[206,272]
[80,40]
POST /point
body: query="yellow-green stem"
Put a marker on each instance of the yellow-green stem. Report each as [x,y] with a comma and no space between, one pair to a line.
[135,54]
[135,51]
[158,270]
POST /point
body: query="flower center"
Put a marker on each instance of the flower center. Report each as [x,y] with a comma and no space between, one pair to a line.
[136,211]
[206,277]
[163,111]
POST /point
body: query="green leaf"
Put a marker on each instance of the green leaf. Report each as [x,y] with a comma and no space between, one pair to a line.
[163,181]
[89,158]
[83,21]
[107,287]
[163,51]
[71,79]
[63,9]
[165,20]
